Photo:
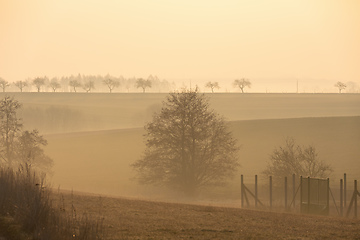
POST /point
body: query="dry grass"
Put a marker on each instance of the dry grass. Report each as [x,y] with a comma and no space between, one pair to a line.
[27,211]
[140,219]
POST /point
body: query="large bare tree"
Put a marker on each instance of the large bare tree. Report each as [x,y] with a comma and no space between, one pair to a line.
[188,146]
[295,159]
[29,151]
[10,127]
[17,146]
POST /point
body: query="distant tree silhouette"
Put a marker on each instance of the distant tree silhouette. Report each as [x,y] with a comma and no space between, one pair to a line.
[88,86]
[4,84]
[212,85]
[111,84]
[74,84]
[340,85]
[21,84]
[142,83]
[54,84]
[188,146]
[294,159]
[38,83]
[242,83]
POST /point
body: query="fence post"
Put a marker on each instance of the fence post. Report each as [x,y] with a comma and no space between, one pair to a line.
[328,196]
[285,193]
[256,191]
[345,190]
[242,191]
[270,192]
[355,198]
[301,196]
[293,190]
[341,197]
[308,203]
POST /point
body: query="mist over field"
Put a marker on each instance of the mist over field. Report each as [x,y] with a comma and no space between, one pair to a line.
[282,78]
[93,138]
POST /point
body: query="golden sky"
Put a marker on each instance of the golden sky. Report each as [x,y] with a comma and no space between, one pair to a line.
[180,40]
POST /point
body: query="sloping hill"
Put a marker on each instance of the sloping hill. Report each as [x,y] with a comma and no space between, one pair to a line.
[68,112]
[100,161]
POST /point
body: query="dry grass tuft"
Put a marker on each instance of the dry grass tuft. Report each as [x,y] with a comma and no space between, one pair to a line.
[27,211]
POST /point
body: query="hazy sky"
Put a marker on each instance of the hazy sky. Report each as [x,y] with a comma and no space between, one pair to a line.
[308,40]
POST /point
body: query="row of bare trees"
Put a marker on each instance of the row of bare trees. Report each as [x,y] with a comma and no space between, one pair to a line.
[88,83]
[238,83]
[243,83]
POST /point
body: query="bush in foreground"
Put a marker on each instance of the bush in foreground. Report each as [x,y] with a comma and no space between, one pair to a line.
[27,212]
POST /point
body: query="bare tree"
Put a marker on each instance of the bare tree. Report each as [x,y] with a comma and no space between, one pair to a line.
[29,150]
[242,83]
[188,146]
[54,84]
[111,84]
[21,84]
[294,159]
[88,86]
[340,85]
[38,83]
[142,83]
[212,85]
[75,84]
[10,126]
[4,84]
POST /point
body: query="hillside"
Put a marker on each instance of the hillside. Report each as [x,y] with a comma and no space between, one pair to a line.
[98,161]
[73,112]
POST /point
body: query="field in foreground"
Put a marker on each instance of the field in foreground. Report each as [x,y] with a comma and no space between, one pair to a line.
[138,219]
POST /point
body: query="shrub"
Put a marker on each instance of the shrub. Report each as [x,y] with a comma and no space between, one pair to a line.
[27,210]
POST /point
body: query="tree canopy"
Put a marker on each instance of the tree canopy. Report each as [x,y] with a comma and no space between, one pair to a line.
[38,83]
[340,85]
[212,85]
[111,84]
[295,159]
[242,83]
[188,146]
[17,146]
[142,83]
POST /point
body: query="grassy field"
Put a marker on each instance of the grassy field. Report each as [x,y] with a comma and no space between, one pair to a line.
[139,219]
[59,112]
